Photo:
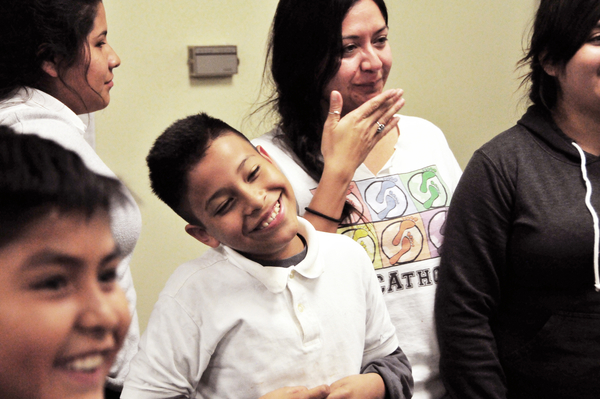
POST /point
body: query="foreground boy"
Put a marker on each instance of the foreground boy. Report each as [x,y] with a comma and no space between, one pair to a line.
[62,315]
[274,303]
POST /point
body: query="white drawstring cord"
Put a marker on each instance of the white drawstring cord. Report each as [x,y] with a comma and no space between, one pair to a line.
[588,203]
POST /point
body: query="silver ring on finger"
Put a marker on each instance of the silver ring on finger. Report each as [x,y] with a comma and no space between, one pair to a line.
[380,127]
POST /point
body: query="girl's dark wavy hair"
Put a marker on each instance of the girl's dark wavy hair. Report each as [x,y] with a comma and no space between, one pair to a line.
[38,177]
[560,28]
[304,54]
[33,31]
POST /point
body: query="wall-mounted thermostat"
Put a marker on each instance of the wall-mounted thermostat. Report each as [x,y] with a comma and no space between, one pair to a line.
[211,61]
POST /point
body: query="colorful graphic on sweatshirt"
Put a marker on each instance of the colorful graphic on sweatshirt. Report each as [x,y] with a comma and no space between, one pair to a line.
[403,216]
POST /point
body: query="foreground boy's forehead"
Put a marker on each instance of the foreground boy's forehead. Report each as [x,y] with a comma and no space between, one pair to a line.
[52,256]
[45,242]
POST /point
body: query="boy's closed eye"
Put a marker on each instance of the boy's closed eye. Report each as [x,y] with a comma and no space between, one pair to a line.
[254,173]
[224,207]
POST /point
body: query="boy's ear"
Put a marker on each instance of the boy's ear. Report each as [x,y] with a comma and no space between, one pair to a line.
[50,68]
[264,153]
[202,235]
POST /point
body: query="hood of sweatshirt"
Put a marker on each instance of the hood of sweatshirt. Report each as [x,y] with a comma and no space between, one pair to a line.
[539,122]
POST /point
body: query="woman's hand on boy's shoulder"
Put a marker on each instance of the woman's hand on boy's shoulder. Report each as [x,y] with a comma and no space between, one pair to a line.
[320,392]
[360,386]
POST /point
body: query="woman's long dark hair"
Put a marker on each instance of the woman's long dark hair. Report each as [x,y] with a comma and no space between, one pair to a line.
[560,28]
[304,54]
[34,31]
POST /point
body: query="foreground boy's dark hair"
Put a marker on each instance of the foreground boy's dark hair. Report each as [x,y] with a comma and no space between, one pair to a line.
[176,152]
[38,176]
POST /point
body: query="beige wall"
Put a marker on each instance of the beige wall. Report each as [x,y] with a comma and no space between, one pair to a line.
[454,59]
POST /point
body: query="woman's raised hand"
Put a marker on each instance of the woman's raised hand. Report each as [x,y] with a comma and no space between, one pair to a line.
[347,141]
[345,144]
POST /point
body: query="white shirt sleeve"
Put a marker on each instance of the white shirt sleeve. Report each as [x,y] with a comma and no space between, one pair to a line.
[171,360]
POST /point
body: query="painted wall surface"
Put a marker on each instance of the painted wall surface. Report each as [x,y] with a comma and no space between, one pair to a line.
[454,59]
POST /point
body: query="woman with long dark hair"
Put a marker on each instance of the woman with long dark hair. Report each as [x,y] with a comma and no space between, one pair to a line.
[518,304]
[356,166]
[56,64]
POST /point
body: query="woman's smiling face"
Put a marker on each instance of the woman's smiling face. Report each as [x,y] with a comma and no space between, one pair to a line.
[366,59]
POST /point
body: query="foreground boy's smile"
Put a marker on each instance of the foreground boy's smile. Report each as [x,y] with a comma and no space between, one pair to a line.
[243,201]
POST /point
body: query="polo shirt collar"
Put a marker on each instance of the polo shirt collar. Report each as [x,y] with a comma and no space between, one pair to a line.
[275,279]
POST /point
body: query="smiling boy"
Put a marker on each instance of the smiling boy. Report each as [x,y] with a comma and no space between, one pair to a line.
[63,317]
[243,201]
[274,303]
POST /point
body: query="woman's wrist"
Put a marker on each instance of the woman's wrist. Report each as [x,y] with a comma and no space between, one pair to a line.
[336,175]
[322,215]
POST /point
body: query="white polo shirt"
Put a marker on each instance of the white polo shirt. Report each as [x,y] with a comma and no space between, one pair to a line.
[227,327]
[414,186]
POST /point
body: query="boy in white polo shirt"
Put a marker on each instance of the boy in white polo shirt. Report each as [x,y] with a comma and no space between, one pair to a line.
[274,303]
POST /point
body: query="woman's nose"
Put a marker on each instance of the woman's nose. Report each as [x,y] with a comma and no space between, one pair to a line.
[371,60]
[113,59]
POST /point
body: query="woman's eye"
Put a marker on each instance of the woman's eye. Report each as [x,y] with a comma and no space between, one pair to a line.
[100,44]
[382,40]
[349,49]
[595,39]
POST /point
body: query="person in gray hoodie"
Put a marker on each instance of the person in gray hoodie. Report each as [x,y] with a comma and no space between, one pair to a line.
[517,305]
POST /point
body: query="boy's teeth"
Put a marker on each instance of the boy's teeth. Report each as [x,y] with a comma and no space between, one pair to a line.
[274,214]
[86,364]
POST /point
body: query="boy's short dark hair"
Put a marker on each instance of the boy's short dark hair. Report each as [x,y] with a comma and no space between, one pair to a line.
[38,176]
[177,151]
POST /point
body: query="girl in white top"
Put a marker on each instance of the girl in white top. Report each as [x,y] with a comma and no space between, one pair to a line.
[56,64]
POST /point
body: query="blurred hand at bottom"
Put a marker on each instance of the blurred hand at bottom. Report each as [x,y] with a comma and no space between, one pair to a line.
[320,392]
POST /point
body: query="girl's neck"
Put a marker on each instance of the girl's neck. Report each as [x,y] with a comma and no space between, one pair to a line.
[581,125]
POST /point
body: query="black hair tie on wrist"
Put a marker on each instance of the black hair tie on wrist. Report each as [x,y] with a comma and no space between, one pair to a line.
[338,221]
